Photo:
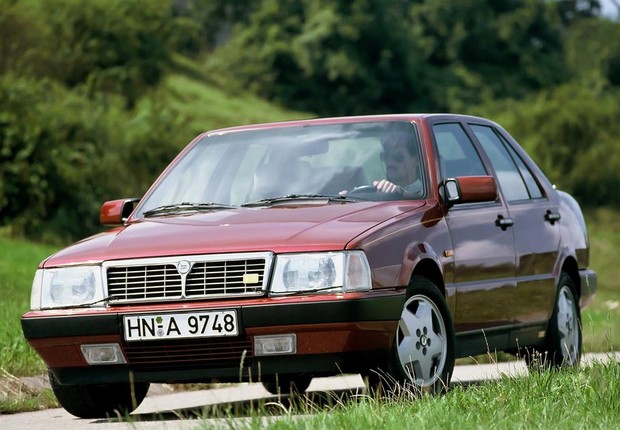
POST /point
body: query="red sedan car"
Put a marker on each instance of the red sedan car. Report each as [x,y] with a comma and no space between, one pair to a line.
[382,245]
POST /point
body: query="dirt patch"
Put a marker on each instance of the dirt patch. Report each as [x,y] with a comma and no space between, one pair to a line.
[12,386]
[17,387]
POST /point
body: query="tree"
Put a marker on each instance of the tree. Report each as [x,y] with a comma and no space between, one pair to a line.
[571,132]
[118,46]
[336,57]
[62,155]
[593,53]
[331,57]
[20,51]
[480,50]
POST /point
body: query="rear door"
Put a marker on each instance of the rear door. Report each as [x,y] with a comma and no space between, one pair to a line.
[536,227]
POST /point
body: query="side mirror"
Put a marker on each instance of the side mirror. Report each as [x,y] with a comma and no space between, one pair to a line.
[469,189]
[116,212]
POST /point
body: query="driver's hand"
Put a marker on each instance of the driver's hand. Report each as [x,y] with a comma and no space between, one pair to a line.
[385,186]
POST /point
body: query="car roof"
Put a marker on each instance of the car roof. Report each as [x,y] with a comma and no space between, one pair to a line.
[413,117]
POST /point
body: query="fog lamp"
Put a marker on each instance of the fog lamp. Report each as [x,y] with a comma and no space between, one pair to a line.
[104,353]
[275,344]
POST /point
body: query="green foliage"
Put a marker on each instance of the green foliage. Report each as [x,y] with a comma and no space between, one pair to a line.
[95,99]
[112,45]
[483,49]
[331,57]
[22,51]
[61,155]
[571,132]
[593,53]
[342,57]
[575,399]
[19,399]
[18,262]
[208,107]
[45,146]
[210,21]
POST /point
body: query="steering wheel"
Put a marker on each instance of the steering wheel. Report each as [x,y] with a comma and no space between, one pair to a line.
[363,189]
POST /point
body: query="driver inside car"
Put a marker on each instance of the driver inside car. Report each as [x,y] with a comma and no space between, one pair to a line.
[402,166]
[401,163]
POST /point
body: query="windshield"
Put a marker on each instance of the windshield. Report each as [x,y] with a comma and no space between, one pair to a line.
[331,160]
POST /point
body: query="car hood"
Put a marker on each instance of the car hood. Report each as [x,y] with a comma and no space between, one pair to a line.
[277,229]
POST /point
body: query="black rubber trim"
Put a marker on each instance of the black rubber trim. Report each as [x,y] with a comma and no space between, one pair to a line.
[502,338]
[387,308]
[318,365]
[69,325]
[381,308]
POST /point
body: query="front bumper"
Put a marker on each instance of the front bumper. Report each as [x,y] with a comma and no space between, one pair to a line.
[589,284]
[334,333]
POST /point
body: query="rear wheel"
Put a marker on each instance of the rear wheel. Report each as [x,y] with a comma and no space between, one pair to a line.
[99,401]
[564,338]
[422,357]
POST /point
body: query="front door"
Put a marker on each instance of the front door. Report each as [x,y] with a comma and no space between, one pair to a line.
[483,247]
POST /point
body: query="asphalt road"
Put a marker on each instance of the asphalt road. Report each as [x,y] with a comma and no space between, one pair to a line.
[178,410]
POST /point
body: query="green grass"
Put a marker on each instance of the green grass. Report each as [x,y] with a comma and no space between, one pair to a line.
[601,319]
[209,107]
[585,398]
[20,400]
[18,262]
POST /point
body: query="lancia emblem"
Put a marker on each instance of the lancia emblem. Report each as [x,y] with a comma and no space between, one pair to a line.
[183,267]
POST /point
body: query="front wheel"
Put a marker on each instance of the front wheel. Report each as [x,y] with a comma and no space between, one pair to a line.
[287,384]
[99,401]
[422,357]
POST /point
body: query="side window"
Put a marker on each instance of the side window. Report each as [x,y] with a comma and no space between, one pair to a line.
[512,173]
[457,155]
[528,177]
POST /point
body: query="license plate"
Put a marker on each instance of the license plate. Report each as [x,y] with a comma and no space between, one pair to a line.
[180,326]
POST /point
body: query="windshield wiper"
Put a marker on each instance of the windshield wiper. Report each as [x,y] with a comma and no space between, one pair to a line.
[316,290]
[185,206]
[293,197]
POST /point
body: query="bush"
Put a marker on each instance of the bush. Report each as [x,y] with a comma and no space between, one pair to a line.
[62,155]
[571,132]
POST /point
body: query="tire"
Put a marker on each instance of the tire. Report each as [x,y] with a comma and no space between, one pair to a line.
[287,384]
[563,342]
[422,357]
[98,401]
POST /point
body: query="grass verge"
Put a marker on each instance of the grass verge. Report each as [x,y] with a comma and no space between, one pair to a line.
[574,398]
[18,262]
[17,396]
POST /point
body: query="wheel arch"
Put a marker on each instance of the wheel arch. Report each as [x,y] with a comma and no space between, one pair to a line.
[421,259]
[570,267]
[429,269]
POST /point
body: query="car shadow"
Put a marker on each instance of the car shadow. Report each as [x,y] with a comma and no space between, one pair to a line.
[272,406]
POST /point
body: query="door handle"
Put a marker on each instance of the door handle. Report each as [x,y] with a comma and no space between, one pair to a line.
[552,217]
[503,222]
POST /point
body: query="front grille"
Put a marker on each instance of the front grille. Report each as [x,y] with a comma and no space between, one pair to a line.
[187,277]
[225,277]
[188,353]
[145,282]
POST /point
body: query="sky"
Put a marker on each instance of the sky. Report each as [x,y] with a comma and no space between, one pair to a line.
[608,8]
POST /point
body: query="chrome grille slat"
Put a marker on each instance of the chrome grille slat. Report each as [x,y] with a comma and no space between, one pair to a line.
[158,279]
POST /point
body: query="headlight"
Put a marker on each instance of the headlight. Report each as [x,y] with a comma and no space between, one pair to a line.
[68,286]
[333,271]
